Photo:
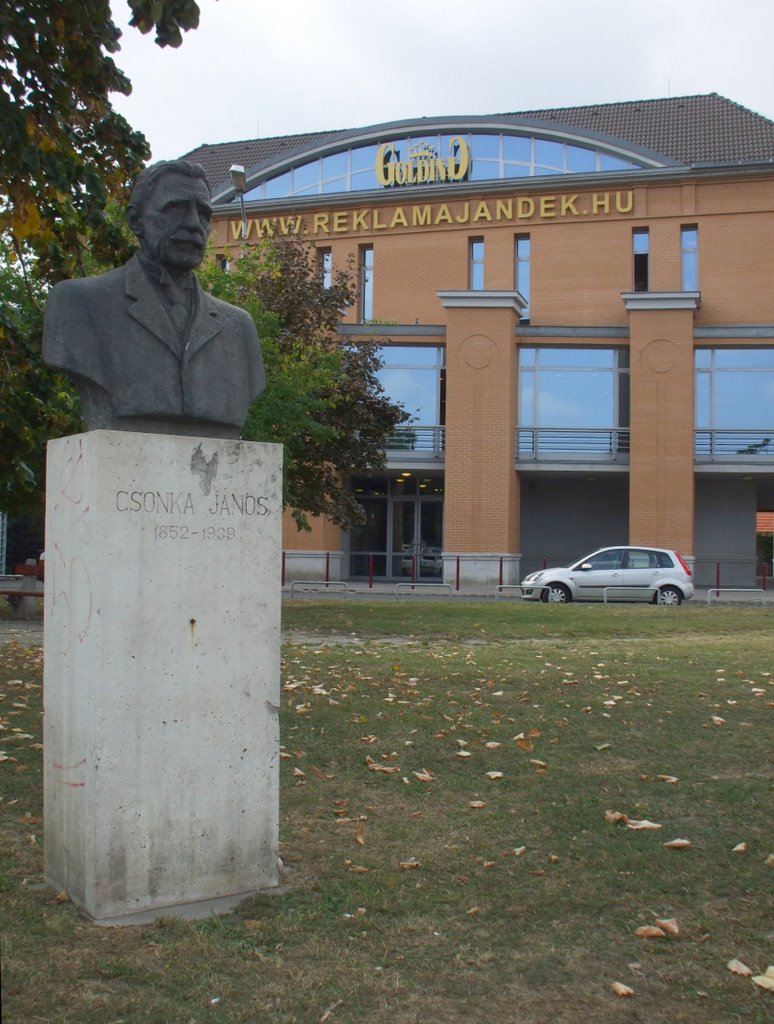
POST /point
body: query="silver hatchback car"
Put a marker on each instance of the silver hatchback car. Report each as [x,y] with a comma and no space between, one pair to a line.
[615,574]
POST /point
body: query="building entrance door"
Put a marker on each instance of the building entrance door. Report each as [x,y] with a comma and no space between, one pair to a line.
[402,537]
[417,538]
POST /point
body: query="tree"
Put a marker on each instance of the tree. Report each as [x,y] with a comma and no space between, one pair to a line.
[323,400]
[66,165]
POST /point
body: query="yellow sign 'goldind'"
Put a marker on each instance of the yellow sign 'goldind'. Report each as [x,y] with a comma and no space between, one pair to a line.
[424,166]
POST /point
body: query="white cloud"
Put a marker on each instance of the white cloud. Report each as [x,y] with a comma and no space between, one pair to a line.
[309,65]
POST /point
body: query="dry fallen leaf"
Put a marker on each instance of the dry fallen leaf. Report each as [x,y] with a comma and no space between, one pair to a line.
[769,862]
[669,779]
[356,869]
[519,851]
[464,753]
[319,773]
[668,924]
[737,967]
[492,745]
[375,766]
[622,990]
[360,833]
[424,775]
[409,865]
[615,816]
[331,1010]
[494,775]
[477,804]
[677,844]
[740,848]
[650,931]
[765,980]
[641,824]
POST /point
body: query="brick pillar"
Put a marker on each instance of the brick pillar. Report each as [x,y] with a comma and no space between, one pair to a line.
[661,472]
[481,491]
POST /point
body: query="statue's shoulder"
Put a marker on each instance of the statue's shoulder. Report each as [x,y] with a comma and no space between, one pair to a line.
[226,311]
[81,289]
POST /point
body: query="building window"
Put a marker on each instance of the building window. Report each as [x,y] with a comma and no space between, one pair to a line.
[476,264]
[640,254]
[325,267]
[574,388]
[689,258]
[522,281]
[734,387]
[505,155]
[366,289]
[414,377]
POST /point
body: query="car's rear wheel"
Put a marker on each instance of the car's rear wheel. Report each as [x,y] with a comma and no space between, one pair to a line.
[669,596]
[555,593]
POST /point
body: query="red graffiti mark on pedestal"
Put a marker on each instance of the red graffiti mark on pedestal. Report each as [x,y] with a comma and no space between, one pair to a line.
[73,482]
[70,595]
[69,768]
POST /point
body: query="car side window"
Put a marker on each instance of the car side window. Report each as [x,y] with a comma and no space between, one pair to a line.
[640,560]
[664,560]
[606,559]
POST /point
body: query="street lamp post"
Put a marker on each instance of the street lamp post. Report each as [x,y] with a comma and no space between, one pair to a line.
[239,182]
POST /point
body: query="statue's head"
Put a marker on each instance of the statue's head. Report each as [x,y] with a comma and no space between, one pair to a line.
[170,213]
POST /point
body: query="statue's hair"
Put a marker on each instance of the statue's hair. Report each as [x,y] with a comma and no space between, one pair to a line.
[149,178]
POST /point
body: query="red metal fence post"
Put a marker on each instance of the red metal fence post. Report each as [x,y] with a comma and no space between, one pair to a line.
[457,577]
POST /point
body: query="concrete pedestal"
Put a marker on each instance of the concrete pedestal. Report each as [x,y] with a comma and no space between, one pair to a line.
[162,619]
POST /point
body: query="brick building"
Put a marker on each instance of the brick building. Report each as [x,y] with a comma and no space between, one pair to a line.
[576,308]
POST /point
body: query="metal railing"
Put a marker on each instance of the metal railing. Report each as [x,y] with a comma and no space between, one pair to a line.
[556,444]
[722,445]
[417,441]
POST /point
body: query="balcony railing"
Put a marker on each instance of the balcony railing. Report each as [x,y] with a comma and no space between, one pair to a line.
[559,444]
[415,442]
[733,445]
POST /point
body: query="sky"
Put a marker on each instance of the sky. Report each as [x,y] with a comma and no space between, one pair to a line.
[256,69]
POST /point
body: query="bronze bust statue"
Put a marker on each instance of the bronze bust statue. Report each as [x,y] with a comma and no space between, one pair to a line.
[147,348]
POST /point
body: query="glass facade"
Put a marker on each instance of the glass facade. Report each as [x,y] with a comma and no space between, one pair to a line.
[493,156]
[574,388]
[413,376]
[735,389]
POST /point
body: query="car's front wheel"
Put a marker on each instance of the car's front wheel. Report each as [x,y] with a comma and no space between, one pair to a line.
[555,593]
[669,596]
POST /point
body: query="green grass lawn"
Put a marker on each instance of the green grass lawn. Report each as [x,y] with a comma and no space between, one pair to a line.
[446,777]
